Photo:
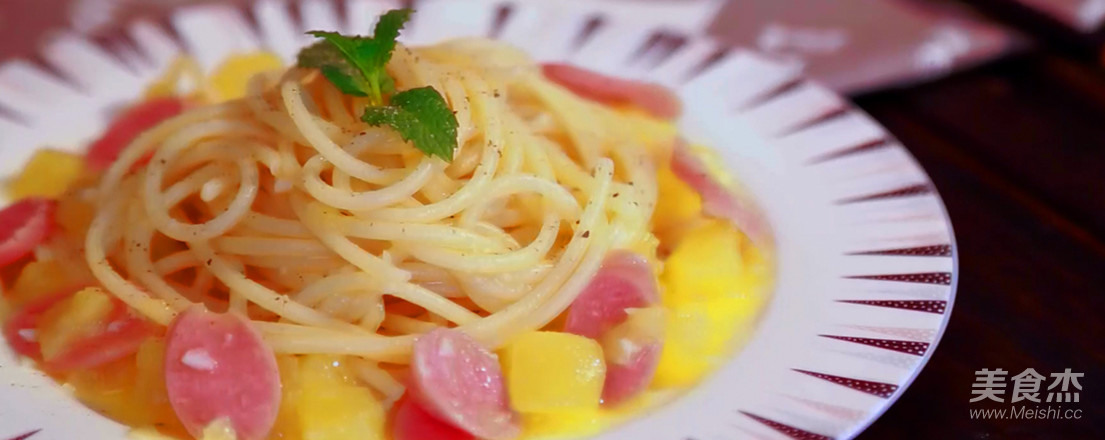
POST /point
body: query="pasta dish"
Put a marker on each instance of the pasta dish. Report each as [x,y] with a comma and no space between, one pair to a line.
[380,241]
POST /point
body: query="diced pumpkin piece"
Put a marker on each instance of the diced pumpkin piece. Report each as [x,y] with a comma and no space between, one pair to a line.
[74,215]
[287,419]
[553,371]
[109,389]
[331,407]
[80,316]
[706,265]
[149,387]
[230,80]
[677,202]
[38,279]
[150,360]
[699,337]
[48,174]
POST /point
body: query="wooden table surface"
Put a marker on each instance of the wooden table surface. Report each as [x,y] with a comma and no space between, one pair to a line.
[1017,150]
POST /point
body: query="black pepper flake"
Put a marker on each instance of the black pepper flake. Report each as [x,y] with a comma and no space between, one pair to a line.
[497,94]
[208,261]
[586,234]
[616,195]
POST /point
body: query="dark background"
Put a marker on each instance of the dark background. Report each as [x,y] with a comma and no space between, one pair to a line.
[1017,150]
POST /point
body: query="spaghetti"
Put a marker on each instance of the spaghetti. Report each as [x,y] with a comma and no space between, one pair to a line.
[493,242]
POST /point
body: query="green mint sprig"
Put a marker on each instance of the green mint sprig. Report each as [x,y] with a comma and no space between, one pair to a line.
[356,66]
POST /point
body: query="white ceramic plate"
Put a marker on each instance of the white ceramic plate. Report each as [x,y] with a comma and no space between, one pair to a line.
[866,255]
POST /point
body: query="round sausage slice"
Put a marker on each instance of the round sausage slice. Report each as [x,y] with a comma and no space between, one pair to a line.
[217,367]
[655,99]
[625,281]
[460,382]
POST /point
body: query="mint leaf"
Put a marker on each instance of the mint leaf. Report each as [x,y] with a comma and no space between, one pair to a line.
[335,68]
[348,84]
[356,65]
[384,35]
[422,117]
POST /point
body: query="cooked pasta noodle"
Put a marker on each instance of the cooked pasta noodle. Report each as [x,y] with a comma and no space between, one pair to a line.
[336,237]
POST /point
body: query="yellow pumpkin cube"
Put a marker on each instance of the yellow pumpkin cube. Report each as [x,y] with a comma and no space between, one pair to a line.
[553,371]
[231,79]
[38,279]
[287,419]
[330,407]
[677,202]
[85,313]
[109,389]
[149,389]
[706,265]
[700,336]
[48,174]
[74,215]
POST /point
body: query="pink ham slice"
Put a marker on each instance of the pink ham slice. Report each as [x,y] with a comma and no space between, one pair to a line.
[624,282]
[655,99]
[217,367]
[461,383]
[717,200]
